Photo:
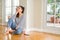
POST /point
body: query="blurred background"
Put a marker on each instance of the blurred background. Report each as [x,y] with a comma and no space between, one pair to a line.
[41,15]
[42,19]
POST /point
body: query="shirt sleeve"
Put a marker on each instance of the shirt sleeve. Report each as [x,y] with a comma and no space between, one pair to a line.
[22,22]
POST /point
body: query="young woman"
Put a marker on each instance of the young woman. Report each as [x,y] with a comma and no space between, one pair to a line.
[16,22]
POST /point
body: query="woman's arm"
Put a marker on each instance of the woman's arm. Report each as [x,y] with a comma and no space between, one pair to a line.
[22,23]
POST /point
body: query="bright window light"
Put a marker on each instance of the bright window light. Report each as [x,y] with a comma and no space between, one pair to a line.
[10,7]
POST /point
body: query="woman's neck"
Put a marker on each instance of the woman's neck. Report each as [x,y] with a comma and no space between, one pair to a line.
[20,14]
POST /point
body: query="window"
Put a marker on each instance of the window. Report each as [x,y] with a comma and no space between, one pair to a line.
[10,7]
[53,13]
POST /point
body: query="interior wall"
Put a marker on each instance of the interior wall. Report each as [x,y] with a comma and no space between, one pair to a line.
[34,14]
[3,13]
[37,4]
[0,11]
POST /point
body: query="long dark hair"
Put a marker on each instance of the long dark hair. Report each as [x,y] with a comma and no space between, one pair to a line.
[22,11]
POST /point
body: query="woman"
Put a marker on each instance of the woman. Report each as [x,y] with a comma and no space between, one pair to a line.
[16,22]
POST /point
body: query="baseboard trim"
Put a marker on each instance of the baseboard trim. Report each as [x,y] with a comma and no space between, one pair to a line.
[42,30]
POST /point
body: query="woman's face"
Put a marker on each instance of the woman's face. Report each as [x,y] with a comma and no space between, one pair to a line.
[19,9]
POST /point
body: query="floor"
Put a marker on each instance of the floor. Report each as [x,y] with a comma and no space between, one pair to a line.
[31,36]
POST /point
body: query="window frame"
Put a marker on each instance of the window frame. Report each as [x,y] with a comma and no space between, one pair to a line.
[54,24]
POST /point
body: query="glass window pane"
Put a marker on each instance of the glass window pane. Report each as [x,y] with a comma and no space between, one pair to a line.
[53,13]
[57,0]
[50,1]
[15,2]
[50,13]
[14,10]
[7,3]
[8,13]
[10,9]
[57,15]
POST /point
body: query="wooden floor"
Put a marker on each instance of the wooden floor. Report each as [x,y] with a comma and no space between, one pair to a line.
[32,36]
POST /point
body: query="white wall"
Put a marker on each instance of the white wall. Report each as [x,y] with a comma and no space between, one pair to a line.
[35,15]
[34,11]
[0,11]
